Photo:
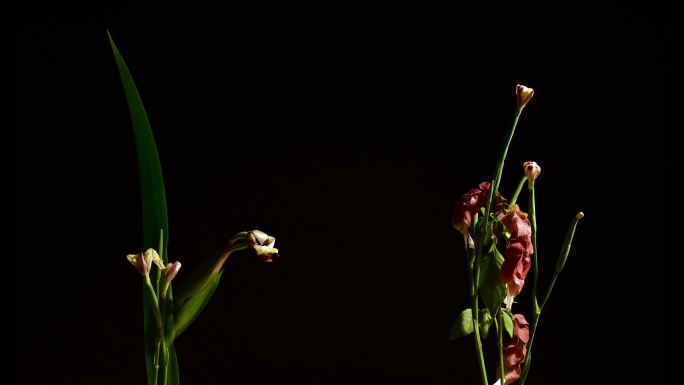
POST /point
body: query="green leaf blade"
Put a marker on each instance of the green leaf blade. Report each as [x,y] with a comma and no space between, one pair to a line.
[188,311]
[155,217]
[463,325]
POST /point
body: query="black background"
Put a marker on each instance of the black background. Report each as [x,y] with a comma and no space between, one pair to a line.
[348,133]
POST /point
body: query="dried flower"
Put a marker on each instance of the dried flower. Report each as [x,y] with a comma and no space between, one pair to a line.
[532,171]
[524,95]
[517,259]
[471,202]
[516,349]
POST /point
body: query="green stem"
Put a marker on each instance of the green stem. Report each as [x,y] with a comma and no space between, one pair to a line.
[499,329]
[155,304]
[480,241]
[535,254]
[155,379]
[500,165]
[160,326]
[536,310]
[166,299]
[517,191]
[472,275]
[562,258]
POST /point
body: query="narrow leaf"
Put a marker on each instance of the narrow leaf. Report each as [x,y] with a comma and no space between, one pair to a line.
[463,325]
[188,311]
[152,191]
[151,180]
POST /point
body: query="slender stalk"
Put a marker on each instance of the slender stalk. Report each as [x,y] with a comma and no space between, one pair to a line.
[480,240]
[155,378]
[499,329]
[161,333]
[500,165]
[535,255]
[497,179]
[155,304]
[562,258]
[536,312]
[517,190]
[160,327]
[472,276]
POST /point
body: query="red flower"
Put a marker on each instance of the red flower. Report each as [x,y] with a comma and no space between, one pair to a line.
[516,349]
[517,254]
[471,202]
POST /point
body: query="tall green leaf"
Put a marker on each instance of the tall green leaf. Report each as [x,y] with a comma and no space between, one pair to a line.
[155,218]
[151,180]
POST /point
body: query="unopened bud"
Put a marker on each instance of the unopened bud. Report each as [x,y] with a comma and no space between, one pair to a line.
[524,95]
[171,270]
[532,171]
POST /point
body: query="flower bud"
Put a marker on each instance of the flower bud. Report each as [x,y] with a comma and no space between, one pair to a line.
[524,95]
[532,171]
[171,270]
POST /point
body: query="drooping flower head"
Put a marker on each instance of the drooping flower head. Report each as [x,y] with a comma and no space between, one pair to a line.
[517,259]
[524,95]
[532,171]
[516,349]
